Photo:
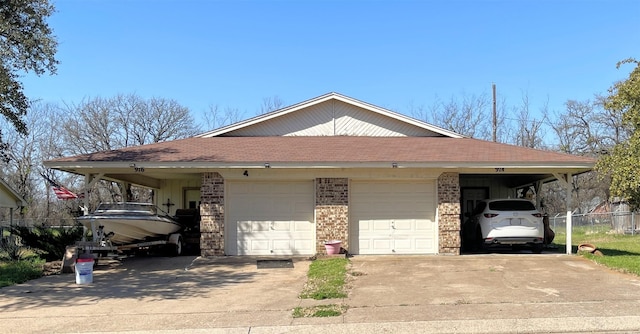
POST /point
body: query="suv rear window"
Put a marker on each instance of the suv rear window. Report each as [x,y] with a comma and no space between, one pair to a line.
[511,206]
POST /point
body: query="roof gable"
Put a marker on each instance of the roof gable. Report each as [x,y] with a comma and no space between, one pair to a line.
[9,198]
[331,115]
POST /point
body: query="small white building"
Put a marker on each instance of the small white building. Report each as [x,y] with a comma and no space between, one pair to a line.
[10,199]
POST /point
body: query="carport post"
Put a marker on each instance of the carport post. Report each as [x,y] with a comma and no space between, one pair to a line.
[569,211]
[567,181]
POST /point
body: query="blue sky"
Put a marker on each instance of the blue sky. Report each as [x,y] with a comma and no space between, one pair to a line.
[393,54]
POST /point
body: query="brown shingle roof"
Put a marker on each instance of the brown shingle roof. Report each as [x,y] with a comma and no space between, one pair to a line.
[331,149]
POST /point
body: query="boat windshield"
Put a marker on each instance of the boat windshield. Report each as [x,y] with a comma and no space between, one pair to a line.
[131,208]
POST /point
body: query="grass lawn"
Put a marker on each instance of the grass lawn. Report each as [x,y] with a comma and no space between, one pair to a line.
[326,279]
[620,251]
[16,272]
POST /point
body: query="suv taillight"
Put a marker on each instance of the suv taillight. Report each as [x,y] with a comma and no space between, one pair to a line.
[490,215]
[538,215]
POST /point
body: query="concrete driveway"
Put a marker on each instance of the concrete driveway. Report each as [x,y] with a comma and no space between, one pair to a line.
[488,293]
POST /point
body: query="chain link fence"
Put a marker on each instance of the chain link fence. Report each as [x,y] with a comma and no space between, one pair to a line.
[606,222]
[5,225]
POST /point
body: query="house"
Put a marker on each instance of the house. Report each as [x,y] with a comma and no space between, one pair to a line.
[10,199]
[329,168]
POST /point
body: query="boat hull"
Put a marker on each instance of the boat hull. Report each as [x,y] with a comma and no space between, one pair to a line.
[121,227]
[128,230]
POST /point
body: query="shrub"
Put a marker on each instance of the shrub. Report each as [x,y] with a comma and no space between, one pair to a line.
[11,249]
[50,242]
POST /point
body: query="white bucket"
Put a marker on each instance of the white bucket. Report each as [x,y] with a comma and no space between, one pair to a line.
[84,271]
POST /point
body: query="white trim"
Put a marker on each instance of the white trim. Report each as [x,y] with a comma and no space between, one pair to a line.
[324,98]
[190,166]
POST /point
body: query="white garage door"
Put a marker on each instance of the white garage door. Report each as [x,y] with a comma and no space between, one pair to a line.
[270,218]
[393,217]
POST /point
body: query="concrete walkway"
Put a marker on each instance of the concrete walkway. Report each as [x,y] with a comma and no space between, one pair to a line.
[488,293]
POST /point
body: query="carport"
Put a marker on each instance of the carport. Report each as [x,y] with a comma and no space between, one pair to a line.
[509,182]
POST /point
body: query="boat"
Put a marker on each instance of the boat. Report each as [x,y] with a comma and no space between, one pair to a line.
[128,222]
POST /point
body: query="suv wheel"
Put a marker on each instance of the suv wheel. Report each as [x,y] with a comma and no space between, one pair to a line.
[537,248]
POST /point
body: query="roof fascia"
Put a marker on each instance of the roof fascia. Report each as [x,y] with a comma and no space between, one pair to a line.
[496,167]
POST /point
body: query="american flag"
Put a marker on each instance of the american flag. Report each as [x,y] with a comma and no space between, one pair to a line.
[60,191]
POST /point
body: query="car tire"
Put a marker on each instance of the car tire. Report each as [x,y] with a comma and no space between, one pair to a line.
[478,242]
[537,248]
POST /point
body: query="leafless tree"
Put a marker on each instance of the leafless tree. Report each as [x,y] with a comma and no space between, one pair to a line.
[101,124]
[472,117]
[585,128]
[23,168]
[158,120]
[216,117]
[270,104]
[469,117]
[530,131]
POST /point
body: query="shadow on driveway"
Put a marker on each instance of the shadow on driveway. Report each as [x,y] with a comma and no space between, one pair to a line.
[145,278]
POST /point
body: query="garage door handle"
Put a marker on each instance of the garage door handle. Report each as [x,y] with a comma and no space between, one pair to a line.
[393,225]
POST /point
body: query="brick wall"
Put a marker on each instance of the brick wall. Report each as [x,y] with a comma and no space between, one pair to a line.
[332,211]
[449,213]
[212,213]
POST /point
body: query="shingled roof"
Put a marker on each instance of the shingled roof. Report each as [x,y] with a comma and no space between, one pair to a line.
[334,151]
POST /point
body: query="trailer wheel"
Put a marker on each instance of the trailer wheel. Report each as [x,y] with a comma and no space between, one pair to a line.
[176,249]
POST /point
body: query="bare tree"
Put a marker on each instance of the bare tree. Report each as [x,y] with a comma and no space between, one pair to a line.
[101,124]
[529,131]
[586,128]
[270,104]
[216,117]
[611,122]
[471,117]
[23,168]
[160,120]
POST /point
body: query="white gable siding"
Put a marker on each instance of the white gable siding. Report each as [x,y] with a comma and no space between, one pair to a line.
[332,118]
[8,197]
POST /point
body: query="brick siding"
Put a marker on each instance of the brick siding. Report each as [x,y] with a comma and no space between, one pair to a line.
[212,213]
[449,213]
[332,212]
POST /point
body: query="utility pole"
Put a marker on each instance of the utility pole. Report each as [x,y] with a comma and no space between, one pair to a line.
[495,116]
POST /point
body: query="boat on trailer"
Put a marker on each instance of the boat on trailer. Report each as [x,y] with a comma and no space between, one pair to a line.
[122,223]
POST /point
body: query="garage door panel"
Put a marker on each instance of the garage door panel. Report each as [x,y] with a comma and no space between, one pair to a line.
[253,246]
[403,245]
[394,217]
[380,225]
[281,244]
[303,227]
[381,245]
[424,244]
[303,244]
[403,225]
[269,218]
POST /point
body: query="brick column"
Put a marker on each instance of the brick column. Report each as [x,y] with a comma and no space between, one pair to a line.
[212,214]
[449,213]
[332,211]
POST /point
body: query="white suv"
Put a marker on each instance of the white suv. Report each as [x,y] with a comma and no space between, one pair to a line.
[513,222]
